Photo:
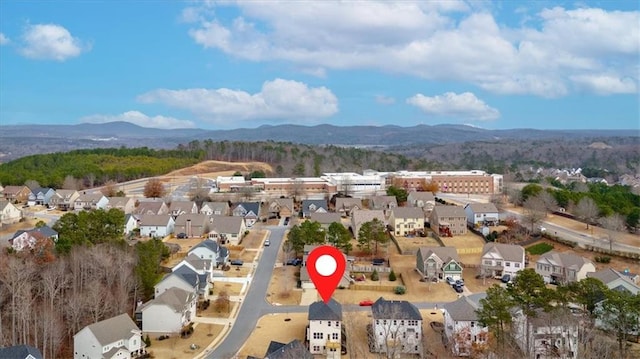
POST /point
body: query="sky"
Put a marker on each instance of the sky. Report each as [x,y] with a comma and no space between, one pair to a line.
[242,64]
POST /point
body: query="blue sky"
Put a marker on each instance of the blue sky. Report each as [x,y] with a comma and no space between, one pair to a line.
[227,64]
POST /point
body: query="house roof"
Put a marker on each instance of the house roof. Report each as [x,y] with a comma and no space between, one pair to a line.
[421,195]
[482,207]
[188,275]
[197,262]
[325,311]
[448,211]
[361,216]
[64,193]
[208,244]
[226,224]
[378,202]
[20,352]
[158,220]
[174,298]
[284,202]
[196,219]
[13,189]
[4,203]
[610,275]
[185,206]
[464,309]
[222,206]
[566,260]
[407,212]
[42,190]
[395,309]
[89,197]
[325,218]
[113,329]
[446,254]
[318,203]
[508,252]
[249,207]
[145,207]
[293,349]
[348,203]
[115,202]
[46,231]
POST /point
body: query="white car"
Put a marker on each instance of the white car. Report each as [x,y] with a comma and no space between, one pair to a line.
[267,243]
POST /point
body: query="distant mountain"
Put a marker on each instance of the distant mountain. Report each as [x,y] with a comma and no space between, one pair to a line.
[22,140]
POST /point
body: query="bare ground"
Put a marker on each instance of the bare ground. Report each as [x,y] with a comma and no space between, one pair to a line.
[222,168]
[282,286]
[176,347]
[265,332]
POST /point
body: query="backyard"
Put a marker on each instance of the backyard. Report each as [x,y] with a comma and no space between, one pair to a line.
[176,347]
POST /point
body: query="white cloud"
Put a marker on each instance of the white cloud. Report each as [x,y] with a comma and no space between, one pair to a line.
[385,100]
[3,39]
[434,40]
[50,42]
[464,106]
[277,100]
[140,119]
[604,84]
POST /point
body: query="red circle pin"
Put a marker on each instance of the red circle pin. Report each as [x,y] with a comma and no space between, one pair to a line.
[326,265]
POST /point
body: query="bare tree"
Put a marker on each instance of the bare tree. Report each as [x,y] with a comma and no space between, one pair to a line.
[154,189]
[16,275]
[534,212]
[71,182]
[550,203]
[613,224]
[32,184]
[199,192]
[110,189]
[587,211]
[394,332]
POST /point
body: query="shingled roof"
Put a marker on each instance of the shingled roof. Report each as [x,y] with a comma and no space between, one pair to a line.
[113,329]
[464,309]
[329,311]
[395,309]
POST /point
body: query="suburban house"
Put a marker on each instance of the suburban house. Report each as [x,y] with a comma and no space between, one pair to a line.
[344,205]
[448,220]
[249,211]
[225,229]
[563,268]
[116,337]
[9,213]
[305,280]
[360,217]
[156,225]
[551,334]
[209,249]
[125,204]
[168,312]
[215,208]
[40,196]
[151,207]
[499,259]
[89,201]
[16,194]
[28,239]
[20,352]
[176,208]
[293,349]
[281,207]
[324,332]
[383,202]
[397,327]
[130,224]
[198,265]
[406,221]
[192,225]
[438,263]
[615,280]
[314,206]
[185,278]
[325,219]
[461,326]
[481,214]
[64,199]
[424,200]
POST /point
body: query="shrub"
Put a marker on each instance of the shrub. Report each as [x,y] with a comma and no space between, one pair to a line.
[147,341]
[400,290]
[392,276]
[603,259]
[374,275]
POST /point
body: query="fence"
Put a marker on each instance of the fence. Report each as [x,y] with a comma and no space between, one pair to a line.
[369,268]
[474,250]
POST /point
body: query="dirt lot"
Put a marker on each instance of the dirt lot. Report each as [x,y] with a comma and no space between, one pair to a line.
[254,239]
[467,241]
[412,244]
[176,347]
[230,288]
[264,333]
[222,168]
[282,286]
[12,228]
[211,311]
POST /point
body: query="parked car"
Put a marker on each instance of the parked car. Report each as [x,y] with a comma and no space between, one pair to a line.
[506,278]
[237,262]
[286,221]
[267,243]
[458,288]
[378,261]
[366,303]
[182,235]
[460,282]
[294,262]
[450,281]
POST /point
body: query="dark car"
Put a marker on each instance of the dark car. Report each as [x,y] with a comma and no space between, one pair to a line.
[506,278]
[237,262]
[294,262]
[460,282]
[378,261]
[181,235]
[457,288]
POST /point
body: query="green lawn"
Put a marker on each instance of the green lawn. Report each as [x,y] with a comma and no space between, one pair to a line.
[540,248]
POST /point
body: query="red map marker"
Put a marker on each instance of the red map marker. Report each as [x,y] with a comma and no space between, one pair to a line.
[326,265]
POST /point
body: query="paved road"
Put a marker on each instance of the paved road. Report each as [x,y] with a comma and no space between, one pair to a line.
[254,304]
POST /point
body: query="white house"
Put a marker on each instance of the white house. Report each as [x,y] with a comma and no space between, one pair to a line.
[88,201]
[209,249]
[615,280]
[215,208]
[130,223]
[9,213]
[562,268]
[481,214]
[113,338]
[324,332]
[64,199]
[424,200]
[499,259]
[185,278]
[156,225]
[40,196]
[169,312]
[461,326]
[198,265]
[551,334]
[397,327]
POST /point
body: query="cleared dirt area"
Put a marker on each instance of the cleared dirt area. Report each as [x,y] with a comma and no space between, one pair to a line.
[282,328]
[282,286]
[222,168]
[254,239]
[218,312]
[176,347]
[230,288]
[13,228]
[412,244]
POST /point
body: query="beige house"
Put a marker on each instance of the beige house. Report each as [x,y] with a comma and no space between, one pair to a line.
[64,199]
[280,208]
[499,259]
[192,225]
[344,206]
[177,208]
[563,268]
[125,204]
[215,208]
[406,221]
[360,217]
[16,194]
[90,201]
[448,221]
[424,200]
[383,202]
[225,229]
[9,213]
[151,207]
[325,219]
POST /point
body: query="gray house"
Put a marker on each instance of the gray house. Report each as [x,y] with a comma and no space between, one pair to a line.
[314,206]
[438,263]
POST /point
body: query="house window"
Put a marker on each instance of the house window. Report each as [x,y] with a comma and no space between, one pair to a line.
[473,324]
[317,335]
[329,323]
[498,263]
[334,336]
[507,264]
[316,348]
[517,265]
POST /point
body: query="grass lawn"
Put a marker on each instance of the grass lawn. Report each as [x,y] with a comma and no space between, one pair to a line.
[540,248]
